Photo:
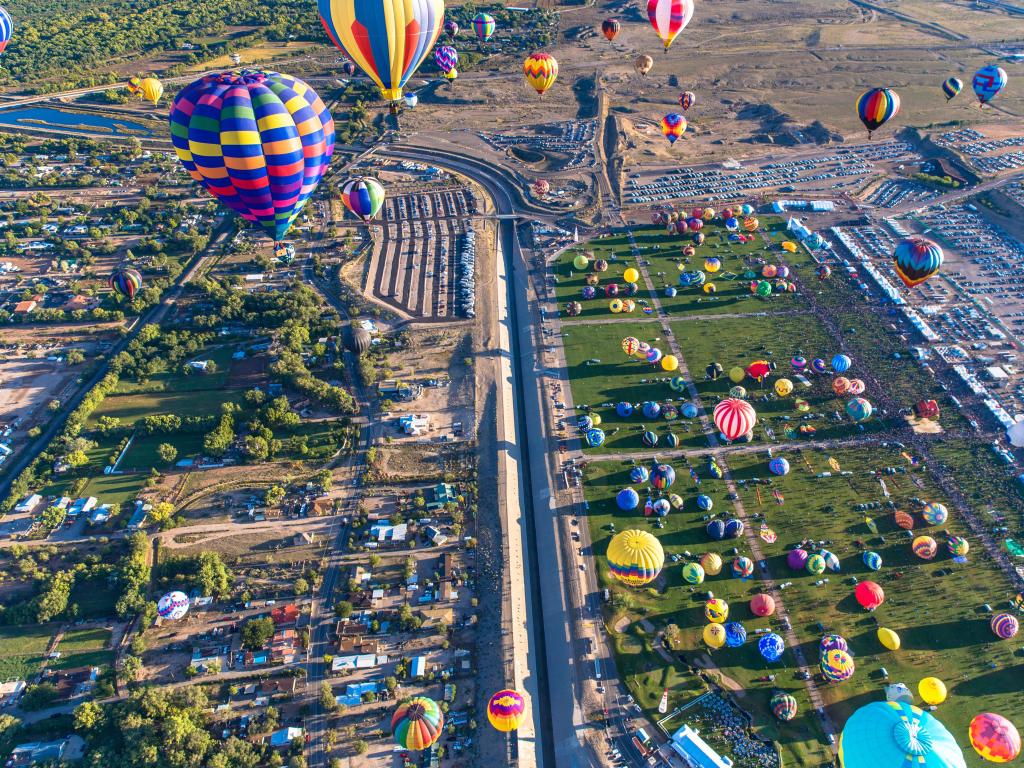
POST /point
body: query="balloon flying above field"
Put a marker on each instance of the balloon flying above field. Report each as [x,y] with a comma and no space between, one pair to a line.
[610,28]
[988,82]
[951,87]
[451,29]
[916,259]
[686,100]
[417,723]
[541,71]
[446,58]
[669,18]
[484,26]
[643,64]
[6,28]
[387,39]
[506,710]
[258,141]
[364,196]
[876,107]
[126,282]
[673,125]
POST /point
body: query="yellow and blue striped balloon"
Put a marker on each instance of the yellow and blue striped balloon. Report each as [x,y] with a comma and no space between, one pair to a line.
[258,141]
[387,39]
[952,86]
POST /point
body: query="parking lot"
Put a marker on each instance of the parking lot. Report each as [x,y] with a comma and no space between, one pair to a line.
[987,155]
[893,192]
[573,139]
[424,264]
[846,167]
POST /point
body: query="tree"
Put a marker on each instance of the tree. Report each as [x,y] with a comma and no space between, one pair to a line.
[274,495]
[301,586]
[161,512]
[88,716]
[360,747]
[343,609]
[257,633]
[131,667]
[167,453]
[324,478]
[326,697]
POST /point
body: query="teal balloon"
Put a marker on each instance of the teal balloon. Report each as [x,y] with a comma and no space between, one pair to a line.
[890,733]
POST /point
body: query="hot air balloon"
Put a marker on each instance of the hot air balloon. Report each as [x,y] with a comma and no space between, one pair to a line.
[818,365]
[935,513]
[832,642]
[417,723]
[837,665]
[815,564]
[859,409]
[778,466]
[988,82]
[958,547]
[451,29]
[220,128]
[889,639]
[172,606]
[783,387]
[150,88]
[541,71]
[387,39]
[6,28]
[643,64]
[762,605]
[133,85]
[932,691]
[693,573]
[876,107]
[669,18]
[714,635]
[857,387]
[716,610]
[451,75]
[750,223]
[610,28]
[735,634]
[348,68]
[742,567]
[711,562]
[916,259]
[627,499]
[893,733]
[1004,626]
[840,385]
[573,309]
[639,474]
[713,371]
[869,595]
[951,87]
[594,437]
[673,125]
[662,476]
[483,25]
[771,646]
[687,100]
[630,345]
[994,737]
[364,196]
[924,547]
[125,281]
[446,57]
[841,363]
[823,272]
[704,502]
[733,528]
[872,560]
[734,418]
[783,706]
[635,557]
[506,710]
[411,100]
[796,559]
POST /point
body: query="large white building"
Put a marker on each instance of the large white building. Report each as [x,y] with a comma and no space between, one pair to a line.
[696,752]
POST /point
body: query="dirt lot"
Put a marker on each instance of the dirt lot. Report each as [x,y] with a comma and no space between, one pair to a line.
[27,385]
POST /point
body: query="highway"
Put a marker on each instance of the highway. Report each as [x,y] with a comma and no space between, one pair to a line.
[553,647]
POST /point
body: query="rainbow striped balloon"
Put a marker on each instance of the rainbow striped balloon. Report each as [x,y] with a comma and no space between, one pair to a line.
[506,710]
[837,665]
[6,28]
[484,25]
[417,723]
[951,87]
[916,259]
[258,141]
[363,196]
[387,39]
[669,18]
[876,107]
[127,282]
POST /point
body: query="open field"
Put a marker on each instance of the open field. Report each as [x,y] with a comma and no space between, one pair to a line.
[83,647]
[131,408]
[933,613]
[22,650]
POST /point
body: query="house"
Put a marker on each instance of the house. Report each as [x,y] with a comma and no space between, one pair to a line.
[283,737]
[437,538]
[432,617]
[414,424]
[279,686]
[357,646]
[84,504]
[448,590]
[354,693]
[285,614]
[440,495]
[203,655]
[284,646]
[349,628]
[37,753]
[198,365]
[25,307]
[392,389]
[358,661]
[384,532]
[418,667]
[78,301]
[28,504]
[10,692]
[323,506]
[73,682]
[695,752]
[99,515]
[138,518]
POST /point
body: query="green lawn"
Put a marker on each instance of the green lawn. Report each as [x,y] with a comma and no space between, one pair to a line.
[939,618]
[22,650]
[84,648]
[142,456]
[131,408]
[177,381]
[600,385]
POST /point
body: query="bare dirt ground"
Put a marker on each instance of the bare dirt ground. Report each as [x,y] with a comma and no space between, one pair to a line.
[27,385]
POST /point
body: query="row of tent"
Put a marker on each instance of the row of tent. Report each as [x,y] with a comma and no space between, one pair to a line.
[465,270]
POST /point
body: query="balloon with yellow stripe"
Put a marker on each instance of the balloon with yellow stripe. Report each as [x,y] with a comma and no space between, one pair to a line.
[541,71]
[387,39]
[257,141]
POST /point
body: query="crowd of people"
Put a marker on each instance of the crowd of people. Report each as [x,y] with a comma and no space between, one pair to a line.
[719,716]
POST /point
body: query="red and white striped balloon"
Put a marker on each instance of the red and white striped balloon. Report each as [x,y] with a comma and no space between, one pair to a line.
[734,417]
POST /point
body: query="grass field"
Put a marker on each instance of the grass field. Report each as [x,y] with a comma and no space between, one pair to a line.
[142,456]
[131,408]
[616,378]
[940,619]
[22,650]
[83,648]
[177,381]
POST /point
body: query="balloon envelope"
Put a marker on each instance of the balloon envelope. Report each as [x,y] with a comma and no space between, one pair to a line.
[892,733]
[172,606]
[506,710]
[994,737]
[932,690]
[635,557]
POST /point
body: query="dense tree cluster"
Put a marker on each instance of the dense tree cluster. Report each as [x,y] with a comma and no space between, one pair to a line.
[206,571]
